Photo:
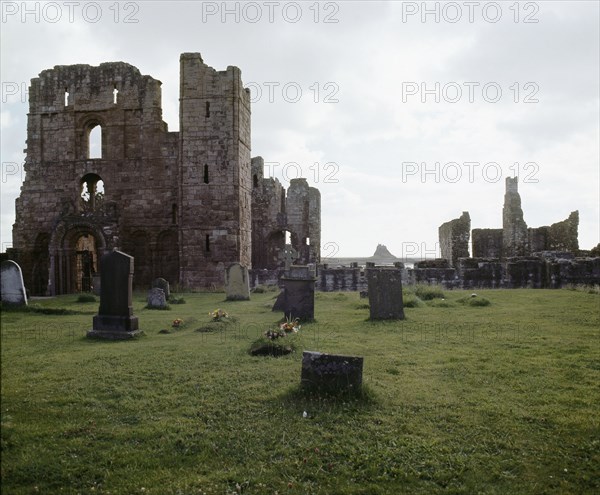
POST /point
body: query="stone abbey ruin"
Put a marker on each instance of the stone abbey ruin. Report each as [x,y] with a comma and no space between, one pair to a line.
[184,204]
[515,256]
[187,205]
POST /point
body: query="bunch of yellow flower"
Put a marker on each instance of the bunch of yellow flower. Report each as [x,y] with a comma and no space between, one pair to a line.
[218,314]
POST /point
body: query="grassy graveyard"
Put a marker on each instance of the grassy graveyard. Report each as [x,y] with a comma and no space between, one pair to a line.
[462,397]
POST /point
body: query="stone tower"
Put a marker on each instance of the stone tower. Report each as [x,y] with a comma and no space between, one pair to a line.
[514,229]
[215,171]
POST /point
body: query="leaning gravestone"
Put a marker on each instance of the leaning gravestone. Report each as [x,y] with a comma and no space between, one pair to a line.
[161,283]
[331,373]
[115,318]
[237,285]
[156,299]
[13,288]
[385,293]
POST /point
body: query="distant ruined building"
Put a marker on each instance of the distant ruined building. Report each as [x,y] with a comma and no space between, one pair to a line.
[510,257]
[184,204]
[516,239]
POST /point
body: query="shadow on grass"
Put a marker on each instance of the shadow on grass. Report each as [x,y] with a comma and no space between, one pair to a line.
[300,400]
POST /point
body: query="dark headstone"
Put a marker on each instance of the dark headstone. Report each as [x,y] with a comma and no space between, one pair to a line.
[385,293]
[12,286]
[156,298]
[297,299]
[330,372]
[161,283]
[115,318]
[280,302]
[364,294]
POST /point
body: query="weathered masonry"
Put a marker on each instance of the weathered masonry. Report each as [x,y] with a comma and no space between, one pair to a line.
[104,172]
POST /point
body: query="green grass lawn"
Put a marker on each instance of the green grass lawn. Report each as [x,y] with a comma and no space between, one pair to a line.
[462,399]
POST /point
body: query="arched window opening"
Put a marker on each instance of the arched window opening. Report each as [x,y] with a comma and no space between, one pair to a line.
[207,109]
[207,243]
[95,142]
[255,180]
[288,237]
[308,241]
[115,93]
[66,97]
[206,174]
[86,261]
[92,192]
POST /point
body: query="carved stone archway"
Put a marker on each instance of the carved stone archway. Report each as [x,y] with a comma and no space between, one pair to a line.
[71,268]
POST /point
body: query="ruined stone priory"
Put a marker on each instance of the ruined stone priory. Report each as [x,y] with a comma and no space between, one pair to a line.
[186,205]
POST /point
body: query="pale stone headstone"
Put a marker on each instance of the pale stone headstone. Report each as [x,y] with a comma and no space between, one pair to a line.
[331,372]
[288,255]
[156,298]
[385,293]
[163,284]
[96,284]
[13,288]
[237,285]
[115,318]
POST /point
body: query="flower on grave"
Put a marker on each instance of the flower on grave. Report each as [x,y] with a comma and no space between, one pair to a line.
[290,325]
[274,334]
[218,314]
[177,322]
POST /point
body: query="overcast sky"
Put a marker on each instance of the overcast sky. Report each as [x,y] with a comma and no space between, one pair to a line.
[403,114]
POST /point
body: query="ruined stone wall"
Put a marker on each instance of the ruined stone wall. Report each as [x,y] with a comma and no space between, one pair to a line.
[303,209]
[268,218]
[454,238]
[513,273]
[487,243]
[139,180]
[181,203]
[514,229]
[215,172]
[563,236]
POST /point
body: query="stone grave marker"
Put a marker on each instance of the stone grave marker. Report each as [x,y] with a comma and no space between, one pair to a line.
[115,318]
[96,284]
[385,293]
[163,284]
[297,298]
[13,288]
[156,298]
[237,284]
[330,372]
[288,255]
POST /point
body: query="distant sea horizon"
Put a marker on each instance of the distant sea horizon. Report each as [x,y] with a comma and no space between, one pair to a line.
[362,261]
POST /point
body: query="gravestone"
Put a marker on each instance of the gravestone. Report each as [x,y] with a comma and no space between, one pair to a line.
[96,284]
[237,284]
[156,298]
[288,255]
[115,318]
[161,283]
[13,288]
[297,298]
[331,372]
[385,293]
